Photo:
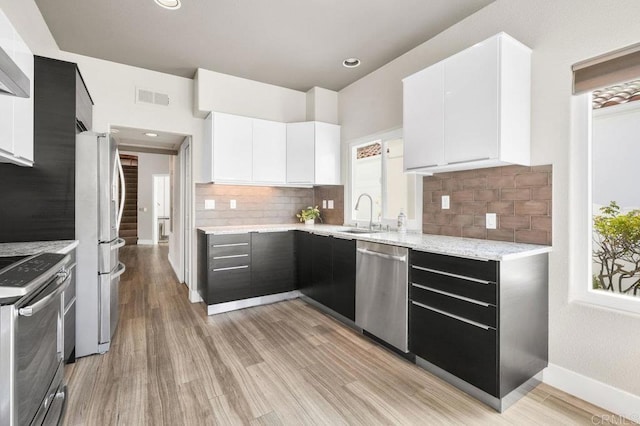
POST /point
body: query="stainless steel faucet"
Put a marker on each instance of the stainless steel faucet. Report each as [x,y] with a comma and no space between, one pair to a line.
[371,209]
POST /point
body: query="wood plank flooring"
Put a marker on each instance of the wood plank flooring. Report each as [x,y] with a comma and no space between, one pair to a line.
[285,363]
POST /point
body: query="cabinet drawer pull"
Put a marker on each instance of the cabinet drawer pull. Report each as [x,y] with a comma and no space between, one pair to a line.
[449,274]
[230,256]
[230,245]
[447,314]
[230,268]
[455,296]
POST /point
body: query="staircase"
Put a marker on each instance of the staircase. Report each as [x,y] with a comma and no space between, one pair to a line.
[129,224]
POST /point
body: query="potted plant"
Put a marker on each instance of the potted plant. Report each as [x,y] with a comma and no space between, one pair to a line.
[309,215]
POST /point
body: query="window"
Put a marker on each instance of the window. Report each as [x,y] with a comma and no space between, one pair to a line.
[376,169]
[605,152]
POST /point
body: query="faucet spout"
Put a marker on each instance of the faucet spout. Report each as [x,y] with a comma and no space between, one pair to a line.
[364,194]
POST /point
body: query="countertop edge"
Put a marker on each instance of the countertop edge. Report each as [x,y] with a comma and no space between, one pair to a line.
[243,229]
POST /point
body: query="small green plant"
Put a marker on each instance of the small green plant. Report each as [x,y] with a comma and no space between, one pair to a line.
[617,250]
[309,213]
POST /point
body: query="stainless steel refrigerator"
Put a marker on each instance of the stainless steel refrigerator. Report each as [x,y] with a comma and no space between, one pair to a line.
[100,193]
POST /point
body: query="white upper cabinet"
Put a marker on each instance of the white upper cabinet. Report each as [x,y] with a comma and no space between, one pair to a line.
[313,153]
[269,152]
[228,148]
[16,113]
[424,118]
[471,110]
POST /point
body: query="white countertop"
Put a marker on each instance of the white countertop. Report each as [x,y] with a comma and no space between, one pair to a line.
[454,246]
[29,248]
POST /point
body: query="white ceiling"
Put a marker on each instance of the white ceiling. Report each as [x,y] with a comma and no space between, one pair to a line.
[131,139]
[291,43]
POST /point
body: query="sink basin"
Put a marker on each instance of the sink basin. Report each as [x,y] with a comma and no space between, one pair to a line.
[360,231]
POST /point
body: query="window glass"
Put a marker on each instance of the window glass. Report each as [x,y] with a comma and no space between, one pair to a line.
[615,193]
[377,170]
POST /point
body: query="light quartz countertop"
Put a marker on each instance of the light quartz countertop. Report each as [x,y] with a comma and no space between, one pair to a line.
[35,247]
[454,246]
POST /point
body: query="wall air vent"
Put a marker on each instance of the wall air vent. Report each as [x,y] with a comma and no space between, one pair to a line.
[144,96]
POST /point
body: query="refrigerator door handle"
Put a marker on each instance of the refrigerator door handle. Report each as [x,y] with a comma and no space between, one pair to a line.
[118,244]
[123,191]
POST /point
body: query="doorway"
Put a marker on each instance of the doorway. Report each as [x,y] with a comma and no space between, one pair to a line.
[162,207]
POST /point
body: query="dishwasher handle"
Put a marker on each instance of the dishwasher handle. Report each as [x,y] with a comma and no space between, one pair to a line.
[382,255]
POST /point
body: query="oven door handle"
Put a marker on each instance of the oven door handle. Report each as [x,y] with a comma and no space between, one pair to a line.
[63,282]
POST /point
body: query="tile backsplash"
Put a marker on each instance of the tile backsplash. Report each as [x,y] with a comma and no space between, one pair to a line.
[262,204]
[333,216]
[519,195]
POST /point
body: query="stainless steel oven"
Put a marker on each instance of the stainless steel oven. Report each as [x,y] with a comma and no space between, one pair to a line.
[32,340]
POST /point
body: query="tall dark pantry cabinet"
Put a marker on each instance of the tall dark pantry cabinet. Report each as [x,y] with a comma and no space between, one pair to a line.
[38,203]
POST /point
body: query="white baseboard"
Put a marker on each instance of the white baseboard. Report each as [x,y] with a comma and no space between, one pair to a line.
[145,242]
[194,296]
[593,391]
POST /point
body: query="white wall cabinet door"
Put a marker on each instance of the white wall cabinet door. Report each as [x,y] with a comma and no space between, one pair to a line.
[327,154]
[23,107]
[301,153]
[269,152]
[232,145]
[423,109]
[471,103]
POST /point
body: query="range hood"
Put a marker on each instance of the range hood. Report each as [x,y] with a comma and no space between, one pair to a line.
[13,81]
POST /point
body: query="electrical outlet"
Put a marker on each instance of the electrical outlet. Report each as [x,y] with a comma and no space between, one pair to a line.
[324,204]
[232,204]
[491,221]
[209,204]
[330,204]
[445,202]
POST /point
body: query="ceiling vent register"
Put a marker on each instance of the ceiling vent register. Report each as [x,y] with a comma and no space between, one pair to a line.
[144,96]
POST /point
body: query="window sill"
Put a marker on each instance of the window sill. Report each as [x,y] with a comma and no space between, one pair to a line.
[609,301]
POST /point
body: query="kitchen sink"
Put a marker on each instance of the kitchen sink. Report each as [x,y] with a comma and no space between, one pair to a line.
[360,231]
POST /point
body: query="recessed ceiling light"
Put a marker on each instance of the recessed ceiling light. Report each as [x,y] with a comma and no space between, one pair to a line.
[151,135]
[169,4]
[351,62]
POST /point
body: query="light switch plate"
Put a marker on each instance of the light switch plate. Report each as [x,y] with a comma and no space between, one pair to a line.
[445,202]
[491,221]
[232,204]
[324,204]
[209,204]
[330,204]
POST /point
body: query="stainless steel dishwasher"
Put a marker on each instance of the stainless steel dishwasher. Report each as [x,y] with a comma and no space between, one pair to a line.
[382,292]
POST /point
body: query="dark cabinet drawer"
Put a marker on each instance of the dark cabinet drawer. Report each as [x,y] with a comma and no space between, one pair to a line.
[464,350]
[478,269]
[483,291]
[229,261]
[225,240]
[480,312]
[229,284]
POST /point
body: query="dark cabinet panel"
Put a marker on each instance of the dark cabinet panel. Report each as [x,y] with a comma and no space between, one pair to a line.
[304,262]
[321,270]
[343,294]
[483,291]
[38,203]
[464,350]
[470,309]
[273,268]
[478,269]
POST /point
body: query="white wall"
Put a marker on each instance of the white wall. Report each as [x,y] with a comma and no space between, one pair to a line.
[322,105]
[148,165]
[234,95]
[595,343]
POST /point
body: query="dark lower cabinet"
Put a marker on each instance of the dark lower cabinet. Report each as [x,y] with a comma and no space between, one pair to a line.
[343,269]
[485,322]
[240,266]
[464,350]
[326,271]
[273,264]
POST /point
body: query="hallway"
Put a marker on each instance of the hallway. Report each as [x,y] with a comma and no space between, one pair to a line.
[285,363]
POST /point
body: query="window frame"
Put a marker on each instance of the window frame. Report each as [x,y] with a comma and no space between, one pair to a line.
[383,137]
[581,216]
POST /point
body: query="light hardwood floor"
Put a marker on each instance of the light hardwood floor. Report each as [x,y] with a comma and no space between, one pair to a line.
[285,363]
